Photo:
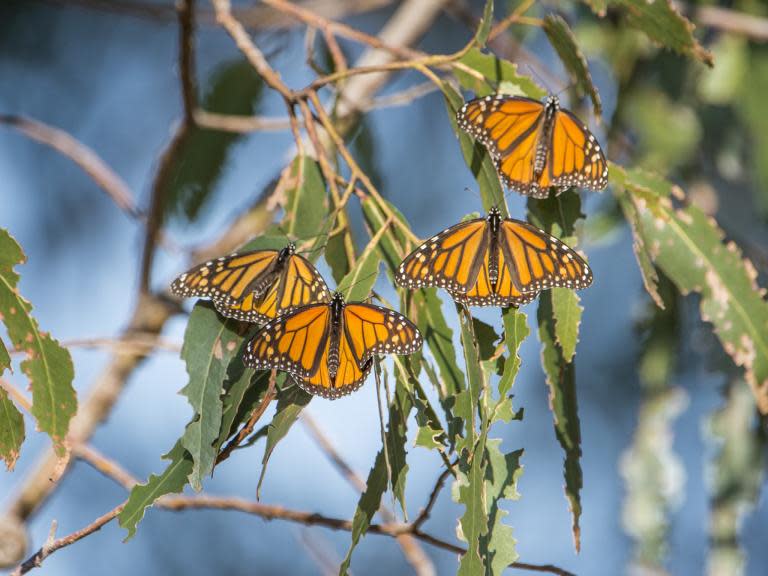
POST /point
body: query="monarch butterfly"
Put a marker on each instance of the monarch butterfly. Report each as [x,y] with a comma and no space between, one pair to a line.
[255,286]
[536,145]
[329,348]
[494,261]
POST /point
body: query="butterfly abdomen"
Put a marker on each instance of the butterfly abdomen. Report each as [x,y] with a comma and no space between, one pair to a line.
[337,309]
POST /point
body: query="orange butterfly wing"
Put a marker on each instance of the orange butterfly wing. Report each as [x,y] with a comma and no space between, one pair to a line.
[250,286]
[450,259]
[349,377]
[373,330]
[505,294]
[293,343]
[512,128]
[536,260]
[575,157]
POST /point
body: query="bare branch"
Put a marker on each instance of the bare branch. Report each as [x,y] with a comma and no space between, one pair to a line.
[240,124]
[81,155]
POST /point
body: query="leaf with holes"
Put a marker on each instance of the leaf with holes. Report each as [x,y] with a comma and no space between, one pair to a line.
[687,246]
[564,42]
[47,365]
[210,344]
[376,484]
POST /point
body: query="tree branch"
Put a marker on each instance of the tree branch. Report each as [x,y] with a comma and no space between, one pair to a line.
[81,155]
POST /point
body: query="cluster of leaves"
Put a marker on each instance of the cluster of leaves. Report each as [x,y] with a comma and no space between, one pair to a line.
[47,365]
[671,235]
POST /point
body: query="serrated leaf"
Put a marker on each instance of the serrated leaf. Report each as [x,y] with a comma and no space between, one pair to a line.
[291,400]
[172,480]
[477,158]
[47,365]
[484,28]
[233,88]
[210,344]
[474,521]
[561,380]
[564,42]
[500,75]
[376,484]
[431,434]
[558,216]
[305,199]
[567,311]
[502,474]
[11,428]
[688,247]
[661,22]
[515,331]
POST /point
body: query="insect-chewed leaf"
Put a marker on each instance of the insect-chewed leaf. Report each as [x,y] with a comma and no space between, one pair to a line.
[567,310]
[376,484]
[515,331]
[688,247]
[661,22]
[47,365]
[556,331]
[499,74]
[210,344]
[501,483]
[564,42]
[474,521]
[172,480]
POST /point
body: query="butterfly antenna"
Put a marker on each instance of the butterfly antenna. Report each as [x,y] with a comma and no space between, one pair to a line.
[363,279]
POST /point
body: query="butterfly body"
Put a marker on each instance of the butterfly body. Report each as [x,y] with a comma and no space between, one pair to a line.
[493,261]
[255,286]
[328,348]
[535,146]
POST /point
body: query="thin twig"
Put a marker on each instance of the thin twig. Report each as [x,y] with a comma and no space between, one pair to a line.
[162,183]
[424,514]
[240,124]
[257,413]
[81,155]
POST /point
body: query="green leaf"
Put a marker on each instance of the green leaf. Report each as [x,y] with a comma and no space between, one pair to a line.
[564,42]
[500,76]
[336,255]
[561,380]
[357,285]
[502,474]
[11,426]
[142,496]
[474,521]
[567,311]
[751,110]
[376,484]
[291,401]
[5,358]
[599,7]
[245,390]
[394,245]
[210,344]
[662,23]
[486,338]
[47,365]
[234,88]
[647,269]
[484,28]
[515,331]
[305,199]
[477,158]
[688,247]
[467,401]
